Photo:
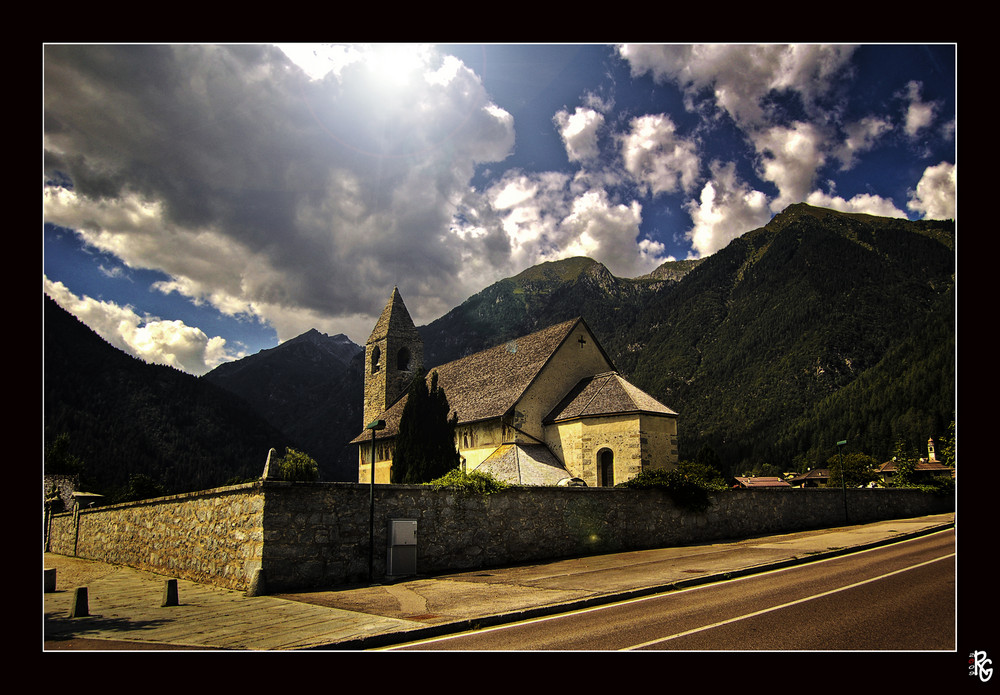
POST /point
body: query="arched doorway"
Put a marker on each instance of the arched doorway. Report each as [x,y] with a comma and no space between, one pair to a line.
[606,468]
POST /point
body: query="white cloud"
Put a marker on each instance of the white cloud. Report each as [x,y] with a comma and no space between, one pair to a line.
[919,114]
[297,184]
[317,60]
[549,216]
[608,232]
[578,131]
[741,81]
[263,189]
[864,203]
[791,157]
[150,339]
[726,209]
[861,136]
[739,77]
[935,196]
[204,265]
[530,207]
[657,158]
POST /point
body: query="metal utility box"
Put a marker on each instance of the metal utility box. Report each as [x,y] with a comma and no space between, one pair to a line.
[402,558]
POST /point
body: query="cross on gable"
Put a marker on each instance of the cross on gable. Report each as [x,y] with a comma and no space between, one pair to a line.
[582,341]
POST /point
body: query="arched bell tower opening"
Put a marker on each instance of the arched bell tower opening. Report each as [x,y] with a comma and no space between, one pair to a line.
[393,354]
[403,359]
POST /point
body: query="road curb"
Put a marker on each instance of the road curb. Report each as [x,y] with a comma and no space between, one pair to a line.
[393,638]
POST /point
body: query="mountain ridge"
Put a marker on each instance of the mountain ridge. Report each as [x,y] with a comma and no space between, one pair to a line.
[308,387]
[818,326]
[812,290]
[127,418]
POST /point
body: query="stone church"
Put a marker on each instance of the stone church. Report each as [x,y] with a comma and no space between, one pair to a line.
[548,408]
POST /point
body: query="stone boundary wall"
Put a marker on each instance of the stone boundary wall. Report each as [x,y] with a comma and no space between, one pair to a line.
[66,484]
[213,536]
[315,535]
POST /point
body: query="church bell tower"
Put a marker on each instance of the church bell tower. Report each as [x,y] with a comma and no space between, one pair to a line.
[393,354]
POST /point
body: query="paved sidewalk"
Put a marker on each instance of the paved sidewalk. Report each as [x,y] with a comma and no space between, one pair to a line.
[125,604]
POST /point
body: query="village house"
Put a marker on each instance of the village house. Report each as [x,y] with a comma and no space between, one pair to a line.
[924,470]
[548,408]
[814,477]
[760,481]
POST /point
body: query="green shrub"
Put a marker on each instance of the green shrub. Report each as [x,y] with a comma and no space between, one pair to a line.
[687,490]
[295,465]
[474,482]
[140,487]
[939,485]
[704,474]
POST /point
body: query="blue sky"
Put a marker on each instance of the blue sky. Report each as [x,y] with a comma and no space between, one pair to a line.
[203,202]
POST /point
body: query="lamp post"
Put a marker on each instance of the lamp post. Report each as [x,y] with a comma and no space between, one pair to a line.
[843,475]
[374,425]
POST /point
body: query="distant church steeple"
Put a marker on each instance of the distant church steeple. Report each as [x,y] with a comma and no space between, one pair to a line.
[393,354]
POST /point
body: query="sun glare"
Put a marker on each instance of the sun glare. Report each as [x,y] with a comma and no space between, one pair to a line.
[389,64]
[395,64]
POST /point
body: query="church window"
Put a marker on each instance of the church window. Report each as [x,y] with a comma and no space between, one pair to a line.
[376,357]
[403,359]
[606,468]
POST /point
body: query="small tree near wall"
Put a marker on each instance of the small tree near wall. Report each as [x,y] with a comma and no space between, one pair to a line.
[425,446]
[295,465]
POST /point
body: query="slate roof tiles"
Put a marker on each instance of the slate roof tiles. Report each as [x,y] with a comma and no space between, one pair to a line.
[604,394]
[488,383]
[524,464]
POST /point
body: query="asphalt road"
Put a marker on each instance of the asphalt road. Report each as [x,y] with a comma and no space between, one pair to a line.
[897,597]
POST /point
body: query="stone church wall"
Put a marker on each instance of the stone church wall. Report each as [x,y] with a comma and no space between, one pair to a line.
[318,542]
[576,358]
[214,536]
[639,443]
[315,535]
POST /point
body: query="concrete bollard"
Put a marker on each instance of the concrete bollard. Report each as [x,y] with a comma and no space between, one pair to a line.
[50,580]
[169,593]
[79,609]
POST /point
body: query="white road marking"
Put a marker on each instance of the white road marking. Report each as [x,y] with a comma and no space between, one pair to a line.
[581,611]
[783,605]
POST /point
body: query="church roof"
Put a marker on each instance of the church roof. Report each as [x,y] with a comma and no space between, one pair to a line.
[525,464]
[605,394]
[394,317]
[488,383]
[922,466]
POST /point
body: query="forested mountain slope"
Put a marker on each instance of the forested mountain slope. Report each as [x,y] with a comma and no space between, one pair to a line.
[309,387]
[753,346]
[124,417]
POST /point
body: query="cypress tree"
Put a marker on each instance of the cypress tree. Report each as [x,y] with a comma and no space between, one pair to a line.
[425,446]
